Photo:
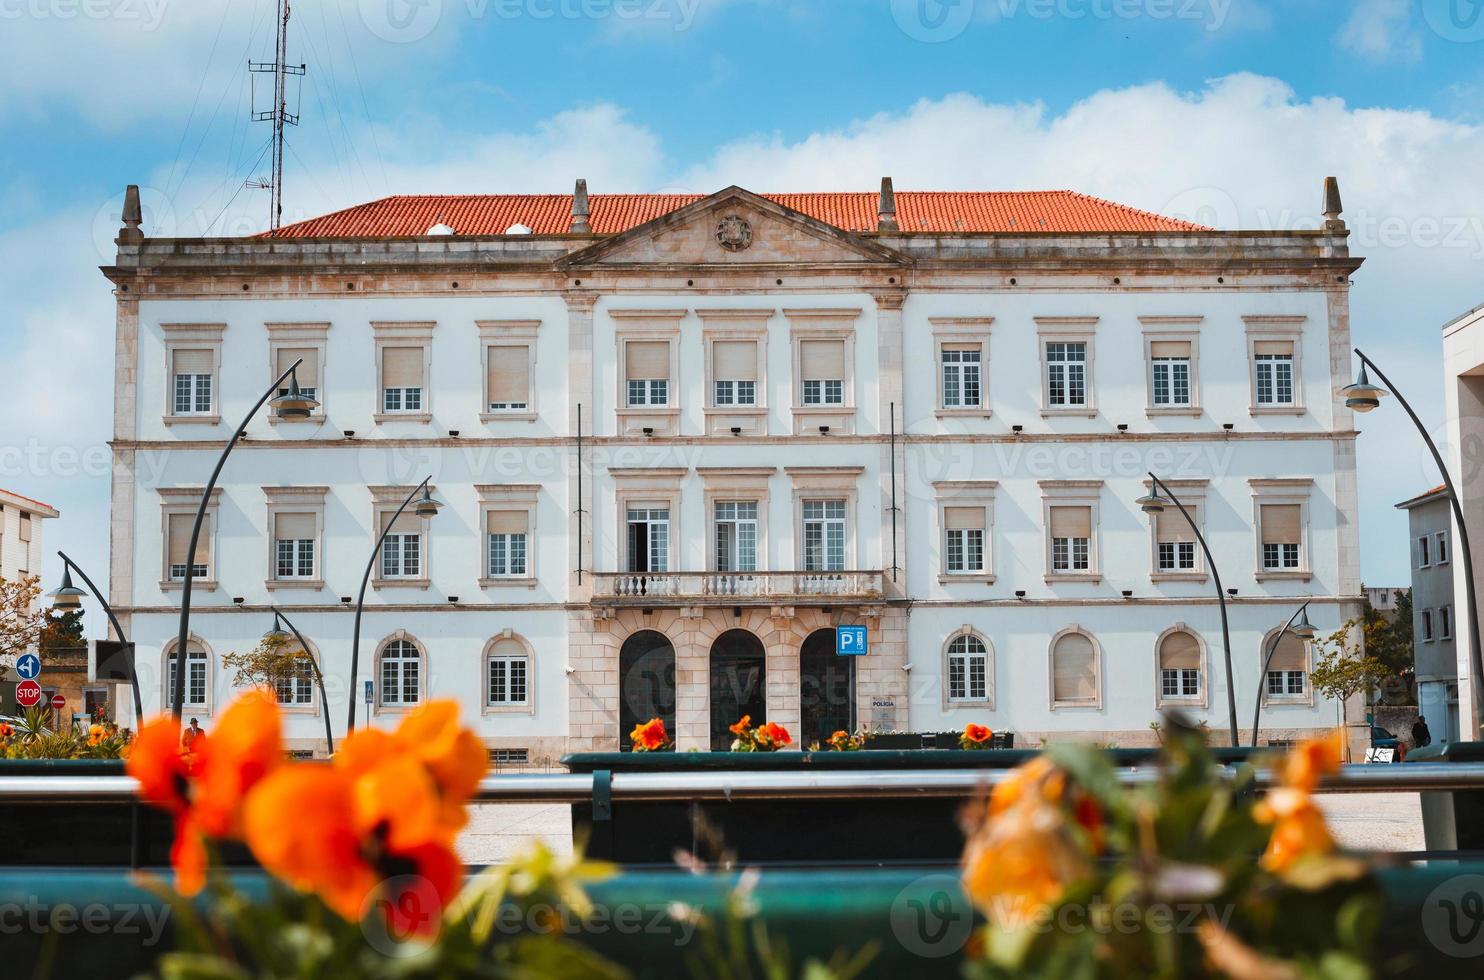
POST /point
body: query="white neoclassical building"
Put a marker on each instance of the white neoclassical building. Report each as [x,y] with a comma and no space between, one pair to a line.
[680,439]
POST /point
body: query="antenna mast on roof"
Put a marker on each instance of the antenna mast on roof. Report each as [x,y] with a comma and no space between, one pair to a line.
[279,114]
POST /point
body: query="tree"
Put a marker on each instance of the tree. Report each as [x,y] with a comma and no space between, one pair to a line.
[1343,669]
[63,631]
[270,664]
[21,620]
[1389,640]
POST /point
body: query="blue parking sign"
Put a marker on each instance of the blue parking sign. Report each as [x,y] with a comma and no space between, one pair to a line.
[850,641]
[28,665]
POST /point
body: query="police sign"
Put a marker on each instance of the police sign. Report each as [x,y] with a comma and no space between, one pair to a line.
[850,641]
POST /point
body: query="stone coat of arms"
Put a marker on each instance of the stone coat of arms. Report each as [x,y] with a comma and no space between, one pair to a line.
[734,233]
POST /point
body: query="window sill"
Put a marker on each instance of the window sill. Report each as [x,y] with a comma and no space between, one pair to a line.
[509,709]
[1061,705]
[421,418]
[1276,410]
[203,584]
[978,704]
[751,419]
[522,582]
[1185,411]
[632,421]
[1173,702]
[301,710]
[488,417]
[961,413]
[297,584]
[1287,701]
[1298,575]
[1086,412]
[193,420]
[1178,577]
[808,418]
[1088,578]
[380,584]
[966,578]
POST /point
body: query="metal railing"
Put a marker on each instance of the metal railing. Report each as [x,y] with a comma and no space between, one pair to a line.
[648,586]
[556,788]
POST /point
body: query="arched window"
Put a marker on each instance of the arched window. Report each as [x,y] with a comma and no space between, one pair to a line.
[1075,677]
[1288,671]
[968,669]
[507,674]
[401,674]
[295,687]
[197,679]
[1179,666]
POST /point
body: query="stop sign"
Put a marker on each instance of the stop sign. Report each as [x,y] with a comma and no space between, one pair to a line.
[58,702]
[28,694]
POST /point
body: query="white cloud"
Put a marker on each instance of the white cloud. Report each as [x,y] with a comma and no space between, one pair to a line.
[1382,30]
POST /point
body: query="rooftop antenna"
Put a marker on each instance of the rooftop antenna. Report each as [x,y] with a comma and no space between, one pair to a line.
[279,114]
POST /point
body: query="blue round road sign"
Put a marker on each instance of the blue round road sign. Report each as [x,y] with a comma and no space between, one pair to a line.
[28,665]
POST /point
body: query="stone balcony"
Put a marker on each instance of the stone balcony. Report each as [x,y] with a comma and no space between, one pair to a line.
[737,588]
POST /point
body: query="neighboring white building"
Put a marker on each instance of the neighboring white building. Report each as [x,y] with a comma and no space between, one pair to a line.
[1463,393]
[680,439]
[1434,613]
[20,535]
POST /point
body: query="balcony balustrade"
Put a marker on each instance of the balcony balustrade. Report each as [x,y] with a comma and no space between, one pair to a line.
[734,588]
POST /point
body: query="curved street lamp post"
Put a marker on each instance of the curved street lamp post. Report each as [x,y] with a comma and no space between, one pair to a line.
[293,406]
[68,597]
[278,635]
[425,507]
[1363,396]
[1159,497]
[1298,624]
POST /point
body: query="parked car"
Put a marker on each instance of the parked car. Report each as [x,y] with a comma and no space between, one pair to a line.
[1383,739]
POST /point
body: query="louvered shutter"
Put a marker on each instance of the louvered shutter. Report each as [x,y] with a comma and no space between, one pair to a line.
[1180,651]
[1071,522]
[734,360]
[1073,669]
[822,360]
[1280,523]
[647,360]
[509,375]
[402,367]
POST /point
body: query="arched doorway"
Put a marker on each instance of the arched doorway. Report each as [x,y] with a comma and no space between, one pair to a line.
[646,683]
[738,684]
[826,689]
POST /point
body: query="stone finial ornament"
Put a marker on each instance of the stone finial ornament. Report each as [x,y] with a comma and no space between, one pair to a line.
[130,233]
[580,210]
[886,211]
[1332,205]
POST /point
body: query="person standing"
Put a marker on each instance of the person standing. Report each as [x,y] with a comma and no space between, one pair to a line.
[1420,734]
[191,736]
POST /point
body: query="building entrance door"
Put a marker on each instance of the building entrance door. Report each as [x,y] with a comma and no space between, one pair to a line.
[738,684]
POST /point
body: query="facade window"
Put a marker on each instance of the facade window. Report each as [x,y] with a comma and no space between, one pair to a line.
[968,669]
[1424,551]
[734,373]
[178,543]
[1440,547]
[192,381]
[1282,537]
[401,674]
[507,534]
[402,551]
[307,373]
[824,535]
[736,535]
[961,387]
[1179,666]
[296,685]
[963,540]
[1071,539]
[1170,373]
[1174,541]
[1066,374]
[822,372]
[1074,669]
[402,372]
[647,371]
[507,671]
[195,679]
[1288,668]
[508,378]
[1427,634]
[1273,377]
[293,546]
[1445,622]
[649,538]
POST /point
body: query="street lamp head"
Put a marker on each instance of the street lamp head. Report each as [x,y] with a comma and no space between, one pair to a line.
[426,506]
[68,596]
[277,634]
[1363,396]
[1153,502]
[294,405]
[1303,629]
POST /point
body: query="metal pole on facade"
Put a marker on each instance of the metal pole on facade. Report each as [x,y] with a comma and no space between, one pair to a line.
[1304,631]
[277,634]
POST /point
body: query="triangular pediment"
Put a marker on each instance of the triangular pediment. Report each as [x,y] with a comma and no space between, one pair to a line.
[735,228]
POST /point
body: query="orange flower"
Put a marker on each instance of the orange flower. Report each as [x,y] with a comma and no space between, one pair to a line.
[650,736]
[839,736]
[1299,828]
[1313,759]
[155,760]
[741,727]
[1038,778]
[454,758]
[5,730]
[977,733]
[775,734]
[1019,866]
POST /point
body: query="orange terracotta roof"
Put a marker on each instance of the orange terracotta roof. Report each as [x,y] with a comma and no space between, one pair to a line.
[41,508]
[1441,488]
[410,216]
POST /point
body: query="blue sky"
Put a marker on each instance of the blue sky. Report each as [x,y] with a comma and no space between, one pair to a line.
[1227,111]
